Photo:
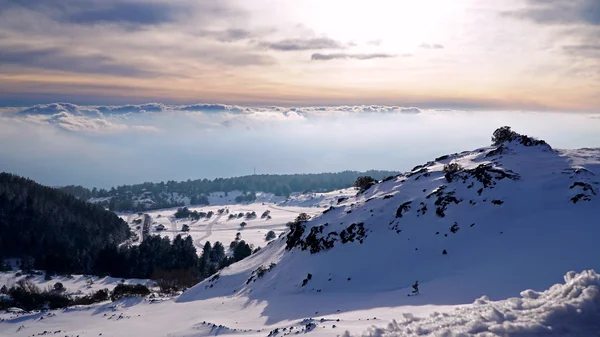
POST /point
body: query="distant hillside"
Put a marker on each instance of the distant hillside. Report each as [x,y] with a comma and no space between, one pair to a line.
[148,195]
[56,230]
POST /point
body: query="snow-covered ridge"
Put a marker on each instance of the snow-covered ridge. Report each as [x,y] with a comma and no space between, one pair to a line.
[485,226]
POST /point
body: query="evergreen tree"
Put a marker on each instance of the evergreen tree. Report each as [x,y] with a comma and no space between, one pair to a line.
[217,253]
[206,251]
[241,251]
[270,236]
[26,264]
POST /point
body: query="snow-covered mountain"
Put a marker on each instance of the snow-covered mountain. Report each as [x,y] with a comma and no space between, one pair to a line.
[487,222]
[489,234]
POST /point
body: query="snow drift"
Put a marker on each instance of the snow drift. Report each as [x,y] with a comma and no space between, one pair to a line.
[569,309]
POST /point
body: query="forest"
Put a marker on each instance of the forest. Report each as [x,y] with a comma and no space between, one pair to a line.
[47,229]
[58,231]
[125,197]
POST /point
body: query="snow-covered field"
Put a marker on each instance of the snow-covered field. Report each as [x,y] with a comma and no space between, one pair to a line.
[75,285]
[221,228]
[571,309]
[503,247]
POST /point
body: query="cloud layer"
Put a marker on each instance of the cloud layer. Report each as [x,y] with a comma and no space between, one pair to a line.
[336,56]
[100,145]
[77,118]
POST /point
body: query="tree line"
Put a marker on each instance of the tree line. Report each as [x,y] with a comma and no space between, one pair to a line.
[163,194]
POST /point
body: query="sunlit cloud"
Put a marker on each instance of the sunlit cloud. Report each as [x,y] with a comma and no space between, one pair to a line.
[95,119]
[259,52]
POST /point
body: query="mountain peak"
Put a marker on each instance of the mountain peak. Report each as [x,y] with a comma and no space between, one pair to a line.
[501,209]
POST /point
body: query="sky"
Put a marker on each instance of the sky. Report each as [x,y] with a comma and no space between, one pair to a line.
[286,86]
[504,54]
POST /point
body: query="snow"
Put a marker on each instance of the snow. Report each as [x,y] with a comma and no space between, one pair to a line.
[219,227]
[503,274]
[318,199]
[569,309]
[75,285]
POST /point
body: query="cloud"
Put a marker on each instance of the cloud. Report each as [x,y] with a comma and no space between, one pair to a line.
[65,60]
[561,12]
[110,119]
[303,44]
[128,13]
[579,19]
[328,57]
[228,35]
[87,119]
[69,122]
[374,42]
[587,50]
[344,110]
[124,109]
[57,108]
[211,109]
[431,46]
[126,38]
[136,14]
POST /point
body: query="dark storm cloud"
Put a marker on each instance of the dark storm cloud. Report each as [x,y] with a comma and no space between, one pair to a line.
[328,57]
[303,44]
[58,59]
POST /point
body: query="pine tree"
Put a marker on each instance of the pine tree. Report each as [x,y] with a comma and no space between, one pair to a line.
[241,251]
[206,251]
[217,253]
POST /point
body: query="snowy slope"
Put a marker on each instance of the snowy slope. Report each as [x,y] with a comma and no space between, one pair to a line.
[522,218]
[75,285]
[325,199]
[513,222]
[570,309]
